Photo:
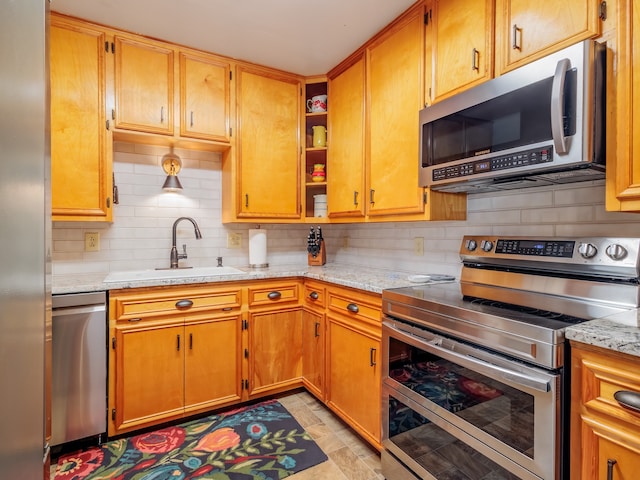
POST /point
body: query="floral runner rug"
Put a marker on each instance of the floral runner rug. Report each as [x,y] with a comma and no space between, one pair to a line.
[261,442]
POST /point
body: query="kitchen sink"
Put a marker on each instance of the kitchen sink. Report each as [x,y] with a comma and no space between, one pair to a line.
[159,274]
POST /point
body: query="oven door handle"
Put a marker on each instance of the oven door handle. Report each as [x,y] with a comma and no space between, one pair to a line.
[481,366]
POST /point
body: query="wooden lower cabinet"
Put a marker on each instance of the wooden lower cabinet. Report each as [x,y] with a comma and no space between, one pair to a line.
[149,376]
[275,351]
[239,342]
[212,363]
[353,361]
[605,436]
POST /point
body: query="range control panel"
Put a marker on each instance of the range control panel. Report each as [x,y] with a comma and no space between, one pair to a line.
[600,254]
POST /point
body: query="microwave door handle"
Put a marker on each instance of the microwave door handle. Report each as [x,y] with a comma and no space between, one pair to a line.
[560,142]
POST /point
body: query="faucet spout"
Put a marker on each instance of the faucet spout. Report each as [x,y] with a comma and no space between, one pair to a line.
[175,256]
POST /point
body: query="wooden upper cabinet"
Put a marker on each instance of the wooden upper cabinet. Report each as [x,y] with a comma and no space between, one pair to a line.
[529,29]
[268,155]
[623,168]
[81,147]
[394,98]
[205,86]
[463,33]
[346,195]
[144,86]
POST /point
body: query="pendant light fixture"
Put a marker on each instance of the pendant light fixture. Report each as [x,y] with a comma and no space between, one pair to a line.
[171,164]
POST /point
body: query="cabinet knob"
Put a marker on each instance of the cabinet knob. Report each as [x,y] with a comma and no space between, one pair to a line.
[274,295]
[184,304]
[630,400]
[313,295]
[352,307]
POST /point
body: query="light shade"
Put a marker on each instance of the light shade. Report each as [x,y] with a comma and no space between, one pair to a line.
[171,164]
[172,183]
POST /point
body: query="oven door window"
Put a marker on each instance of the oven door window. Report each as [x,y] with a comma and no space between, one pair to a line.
[498,409]
[427,447]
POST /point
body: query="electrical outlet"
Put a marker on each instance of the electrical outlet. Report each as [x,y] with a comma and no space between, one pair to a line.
[418,246]
[345,242]
[91,242]
[234,240]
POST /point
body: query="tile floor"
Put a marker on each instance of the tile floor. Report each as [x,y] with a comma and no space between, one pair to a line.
[350,458]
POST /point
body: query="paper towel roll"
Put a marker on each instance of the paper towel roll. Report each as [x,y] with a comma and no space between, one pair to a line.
[258,248]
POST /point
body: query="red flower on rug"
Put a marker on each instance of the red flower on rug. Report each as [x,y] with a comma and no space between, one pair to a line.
[160,441]
[81,464]
[218,440]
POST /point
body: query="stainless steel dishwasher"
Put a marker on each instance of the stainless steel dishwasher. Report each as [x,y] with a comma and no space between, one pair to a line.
[79,367]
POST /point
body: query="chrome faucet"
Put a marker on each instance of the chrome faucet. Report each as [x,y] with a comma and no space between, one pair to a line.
[175,256]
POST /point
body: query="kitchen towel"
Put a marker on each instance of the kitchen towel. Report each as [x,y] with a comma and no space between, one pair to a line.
[257,248]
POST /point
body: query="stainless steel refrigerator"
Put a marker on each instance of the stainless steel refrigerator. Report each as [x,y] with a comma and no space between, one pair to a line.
[24,238]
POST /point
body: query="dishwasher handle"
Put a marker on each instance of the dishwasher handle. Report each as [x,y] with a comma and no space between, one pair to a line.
[57,312]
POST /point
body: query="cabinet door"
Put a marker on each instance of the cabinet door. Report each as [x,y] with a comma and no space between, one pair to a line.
[275,350]
[623,169]
[463,50]
[144,80]
[530,29]
[313,334]
[212,363]
[394,97]
[149,375]
[204,97]
[346,195]
[607,454]
[354,375]
[81,152]
[269,150]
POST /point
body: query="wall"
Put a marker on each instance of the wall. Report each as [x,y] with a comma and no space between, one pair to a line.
[140,236]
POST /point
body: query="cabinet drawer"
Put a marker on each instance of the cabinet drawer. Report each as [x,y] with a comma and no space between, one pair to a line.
[354,304]
[273,293]
[145,304]
[314,295]
[602,376]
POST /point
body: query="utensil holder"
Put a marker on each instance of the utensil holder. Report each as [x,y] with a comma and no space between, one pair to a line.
[320,258]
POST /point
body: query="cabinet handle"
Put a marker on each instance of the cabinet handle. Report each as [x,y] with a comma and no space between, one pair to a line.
[184,304]
[313,295]
[162,114]
[475,57]
[178,343]
[191,341]
[372,357]
[515,45]
[610,463]
[353,308]
[630,400]
[371,192]
[137,319]
[246,200]
[355,197]
[192,118]
[274,295]
[317,330]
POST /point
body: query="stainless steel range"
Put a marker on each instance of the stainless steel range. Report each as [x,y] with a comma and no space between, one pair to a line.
[475,372]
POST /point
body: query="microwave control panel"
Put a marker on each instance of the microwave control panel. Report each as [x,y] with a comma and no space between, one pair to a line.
[515,160]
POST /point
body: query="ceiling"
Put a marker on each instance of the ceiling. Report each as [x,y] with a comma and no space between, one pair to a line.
[299,36]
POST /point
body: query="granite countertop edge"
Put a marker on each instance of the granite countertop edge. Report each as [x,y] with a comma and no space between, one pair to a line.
[619,333]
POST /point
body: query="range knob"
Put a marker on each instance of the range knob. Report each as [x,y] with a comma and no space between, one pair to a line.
[616,251]
[471,245]
[486,245]
[587,250]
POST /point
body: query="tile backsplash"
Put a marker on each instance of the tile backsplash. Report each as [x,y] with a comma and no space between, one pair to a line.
[140,235]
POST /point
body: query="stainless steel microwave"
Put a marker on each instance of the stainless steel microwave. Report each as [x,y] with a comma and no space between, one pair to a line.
[541,124]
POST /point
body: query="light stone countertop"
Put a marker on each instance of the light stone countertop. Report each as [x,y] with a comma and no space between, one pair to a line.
[620,332]
[364,278]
